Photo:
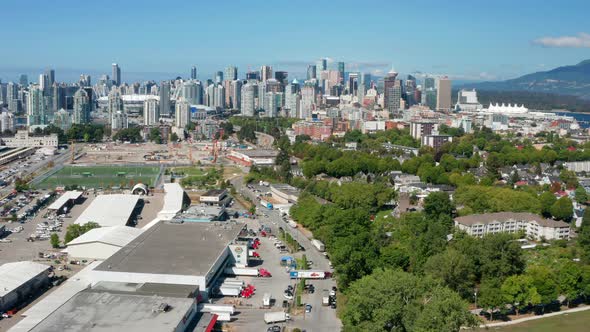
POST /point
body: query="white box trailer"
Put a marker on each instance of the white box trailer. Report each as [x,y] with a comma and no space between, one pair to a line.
[234,283]
[319,245]
[230,290]
[241,271]
[276,317]
[217,308]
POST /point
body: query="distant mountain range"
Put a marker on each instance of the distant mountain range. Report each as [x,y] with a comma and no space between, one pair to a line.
[567,80]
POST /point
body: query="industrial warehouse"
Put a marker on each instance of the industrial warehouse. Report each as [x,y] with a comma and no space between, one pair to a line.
[174,253]
[111,210]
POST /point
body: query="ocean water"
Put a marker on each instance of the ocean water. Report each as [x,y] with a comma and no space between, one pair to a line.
[582,118]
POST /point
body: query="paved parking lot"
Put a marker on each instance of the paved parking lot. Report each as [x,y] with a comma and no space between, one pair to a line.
[250,314]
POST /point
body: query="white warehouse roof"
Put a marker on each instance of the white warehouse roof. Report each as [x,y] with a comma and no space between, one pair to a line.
[63,199]
[118,236]
[13,275]
[109,210]
[172,200]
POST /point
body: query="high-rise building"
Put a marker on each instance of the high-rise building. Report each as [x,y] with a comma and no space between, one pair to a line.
[82,107]
[311,72]
[218,77]
[253,76]
[85,80]
[429,98]
[182,113]
[308,95]
[353,83]
[265,73]
[231,73]
[322,65]
[44,83]
[50,73]
[190,92]
[23,80]
[248,100]
[235,94]
[59,96]
[281,77]
[6,122]
[273,101]
[165,98]
[428,83]
[12,97]
[219,100]
[292,99]
[63,119]
[115,102]
[35,106]
[443,94]
[341,71]
[119,120]
[151,111]
[193,73]
[391,93]
[116,74]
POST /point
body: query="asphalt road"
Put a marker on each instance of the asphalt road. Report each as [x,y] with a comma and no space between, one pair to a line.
[320,318]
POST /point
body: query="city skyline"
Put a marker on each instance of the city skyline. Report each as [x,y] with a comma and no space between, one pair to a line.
[477,42]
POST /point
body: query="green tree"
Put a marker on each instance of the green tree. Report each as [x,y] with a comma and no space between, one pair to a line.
[544,281]
[174,137]
[54,240]
[520,291]
[581,195]
[438,203]
[390,300]
[569,278]
[584,235]
[489,296]
[454,268]
[547,199]
[75,230]
[563,209]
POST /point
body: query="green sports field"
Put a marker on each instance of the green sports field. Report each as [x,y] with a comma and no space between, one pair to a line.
[101,176]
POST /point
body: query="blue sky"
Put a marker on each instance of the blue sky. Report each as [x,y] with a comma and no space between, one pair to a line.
[467,40]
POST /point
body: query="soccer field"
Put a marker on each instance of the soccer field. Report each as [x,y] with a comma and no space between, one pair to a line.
[101,176]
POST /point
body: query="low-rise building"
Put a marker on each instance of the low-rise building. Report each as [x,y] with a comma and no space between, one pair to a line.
[214,197]
[284,193]
[533,226]
[22,139]
[19,280]
[254,157]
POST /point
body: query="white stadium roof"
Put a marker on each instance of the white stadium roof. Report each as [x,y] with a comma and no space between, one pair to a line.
[63,199]
[13,275]
[109,210]
[118,236]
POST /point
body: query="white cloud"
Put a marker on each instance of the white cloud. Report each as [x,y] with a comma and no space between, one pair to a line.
[579,41]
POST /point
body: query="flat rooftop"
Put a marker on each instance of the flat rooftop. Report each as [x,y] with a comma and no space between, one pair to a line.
[64,198]
[109,210]
[96,310]
[170,248]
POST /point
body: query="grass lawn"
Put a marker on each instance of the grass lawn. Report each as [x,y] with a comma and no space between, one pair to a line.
[101,176]
[573,322]
[190,171]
